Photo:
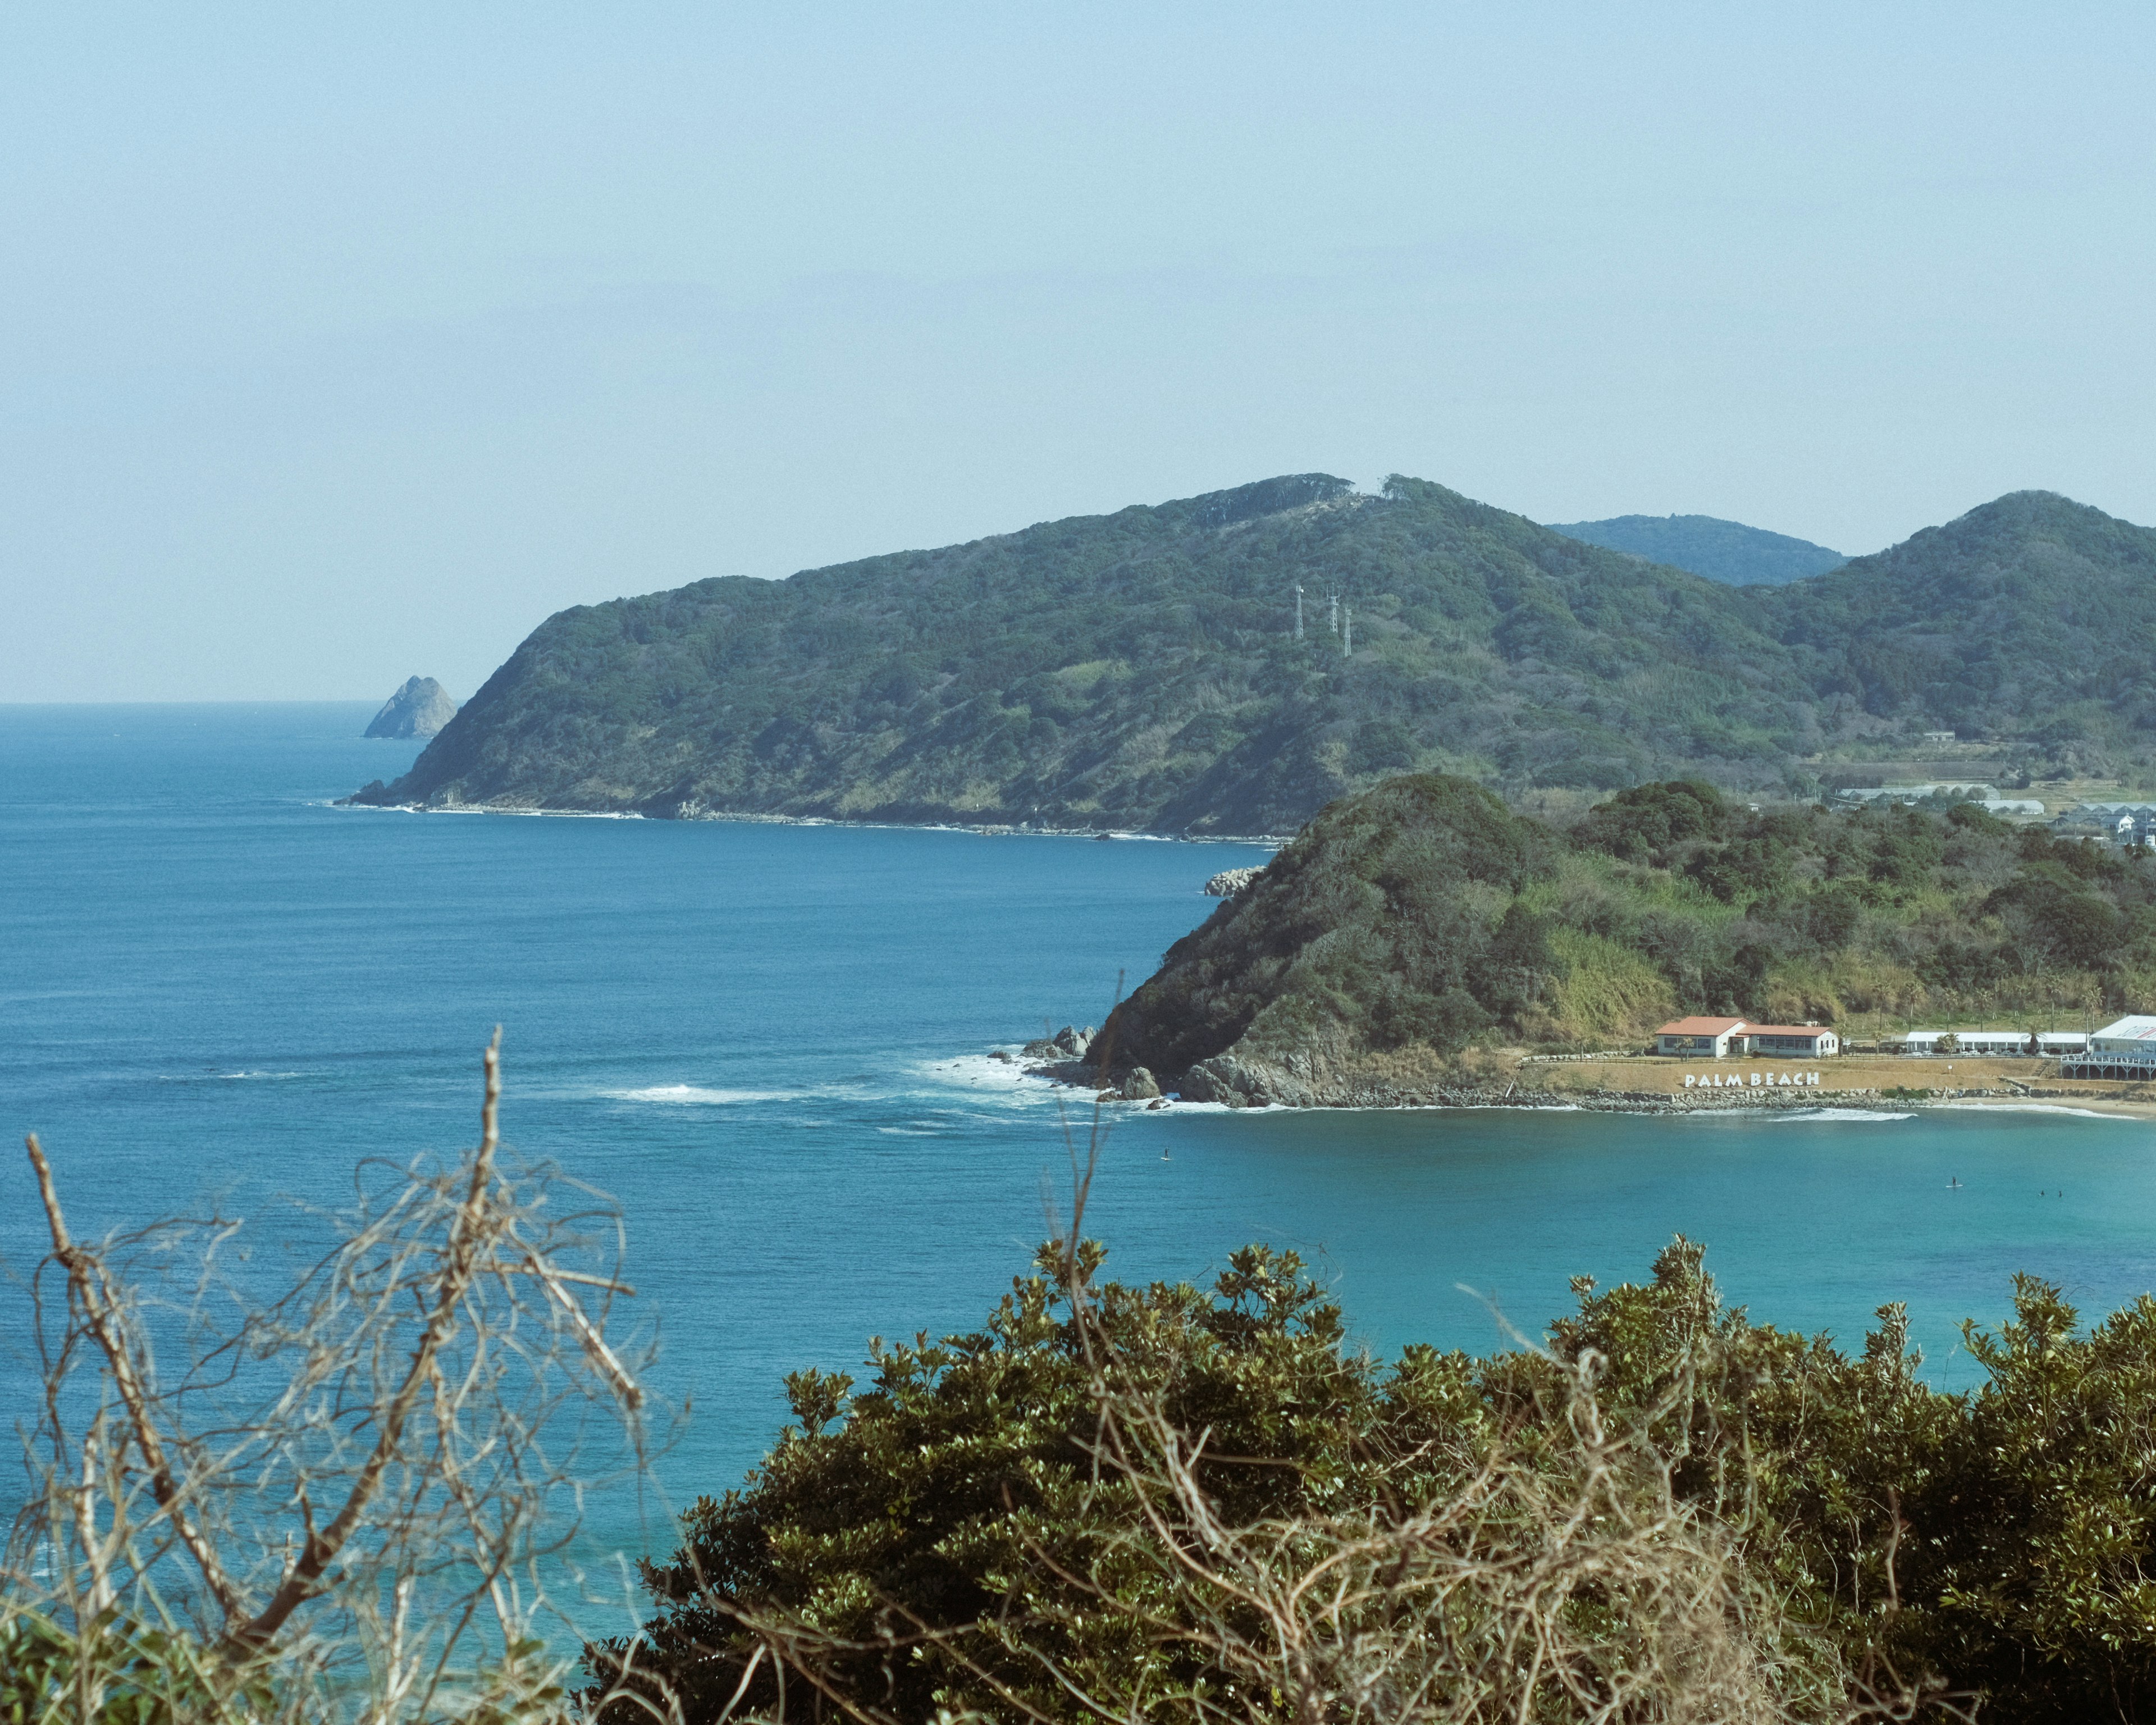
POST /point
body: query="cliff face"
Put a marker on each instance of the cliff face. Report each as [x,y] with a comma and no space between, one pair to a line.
[421,708]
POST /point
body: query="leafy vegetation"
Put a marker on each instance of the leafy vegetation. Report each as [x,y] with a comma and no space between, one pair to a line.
[1728,551]
[986,1527]
[1141,670]
[1422,916]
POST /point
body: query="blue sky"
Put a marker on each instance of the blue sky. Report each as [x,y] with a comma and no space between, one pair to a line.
[344,343]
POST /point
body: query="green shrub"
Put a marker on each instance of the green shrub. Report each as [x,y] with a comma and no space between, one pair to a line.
[985,1525]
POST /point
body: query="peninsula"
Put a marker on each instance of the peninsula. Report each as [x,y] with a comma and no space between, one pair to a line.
[1421,943]
[1228,664]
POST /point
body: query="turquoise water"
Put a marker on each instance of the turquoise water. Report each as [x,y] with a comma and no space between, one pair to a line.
[769,1043]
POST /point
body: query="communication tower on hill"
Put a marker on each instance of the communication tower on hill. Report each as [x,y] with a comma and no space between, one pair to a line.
[1348,634]
[1332,612]
[1298,610]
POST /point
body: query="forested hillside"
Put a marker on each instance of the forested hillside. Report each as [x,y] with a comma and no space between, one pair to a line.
[2031,617]
[1722,551]
[1141,670]
[1410,922]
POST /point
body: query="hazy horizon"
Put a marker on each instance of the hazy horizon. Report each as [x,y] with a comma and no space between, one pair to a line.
[346,348]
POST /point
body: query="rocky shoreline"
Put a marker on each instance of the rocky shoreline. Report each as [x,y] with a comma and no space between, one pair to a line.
[1232,1083]
[366,798]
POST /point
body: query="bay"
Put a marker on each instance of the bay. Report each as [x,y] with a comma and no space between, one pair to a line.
[770,1042]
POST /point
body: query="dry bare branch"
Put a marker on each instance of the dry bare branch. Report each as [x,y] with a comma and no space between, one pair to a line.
[352,1493]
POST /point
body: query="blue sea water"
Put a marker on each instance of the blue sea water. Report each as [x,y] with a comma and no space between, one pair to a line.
[769,1043]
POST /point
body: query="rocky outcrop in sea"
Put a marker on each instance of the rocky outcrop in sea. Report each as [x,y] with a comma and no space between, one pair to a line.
[1068,1043]
[422,707]
[1231,881]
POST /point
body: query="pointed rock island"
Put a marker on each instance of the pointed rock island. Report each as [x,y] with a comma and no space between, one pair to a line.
[419,708]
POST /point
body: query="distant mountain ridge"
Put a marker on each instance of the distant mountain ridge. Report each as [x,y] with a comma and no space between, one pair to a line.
[1141,670]
[1728,551]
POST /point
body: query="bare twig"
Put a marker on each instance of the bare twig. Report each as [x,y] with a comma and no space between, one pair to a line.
[385,1439]
[466,1236]
[86,1281]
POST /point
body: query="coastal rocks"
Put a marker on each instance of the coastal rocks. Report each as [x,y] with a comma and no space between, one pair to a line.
[1141,1086]
[1231,881]
[1068,1043]
[419,708]
[1224,1079]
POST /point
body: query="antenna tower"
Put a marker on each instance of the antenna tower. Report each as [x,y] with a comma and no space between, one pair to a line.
[1298,610]
[1347,635]
[1332,612]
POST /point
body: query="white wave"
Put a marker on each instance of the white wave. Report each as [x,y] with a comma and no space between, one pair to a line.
[2037,1108]
[223,1077]
[697,1094]
[984,1075]
[473,809]
[1858,1114]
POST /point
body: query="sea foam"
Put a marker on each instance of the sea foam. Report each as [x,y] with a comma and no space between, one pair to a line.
[697,1094]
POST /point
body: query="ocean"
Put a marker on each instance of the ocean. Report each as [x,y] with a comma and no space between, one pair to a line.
[770,1043]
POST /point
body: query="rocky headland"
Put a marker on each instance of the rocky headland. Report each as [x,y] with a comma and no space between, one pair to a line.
[1420,944]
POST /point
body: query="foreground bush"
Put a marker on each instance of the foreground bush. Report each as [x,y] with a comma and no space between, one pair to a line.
[1163,1503]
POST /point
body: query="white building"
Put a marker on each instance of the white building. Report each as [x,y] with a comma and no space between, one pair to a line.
[1700,1038]
[2125,1050]
[1721,1038]
[2122,822]
[1791,1040]
[2050,1045]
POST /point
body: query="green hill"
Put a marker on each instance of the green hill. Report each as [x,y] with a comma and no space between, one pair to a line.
[1137,669]
[2030,617]
[1413,923]
[1141,670]
[1722,551]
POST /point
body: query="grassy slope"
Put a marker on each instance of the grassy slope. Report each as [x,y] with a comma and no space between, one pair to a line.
[1422,918]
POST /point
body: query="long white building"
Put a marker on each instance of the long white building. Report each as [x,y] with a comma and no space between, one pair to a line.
[2052,1044]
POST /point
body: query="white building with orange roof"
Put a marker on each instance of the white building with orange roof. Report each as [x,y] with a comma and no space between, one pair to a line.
[1712,1038]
